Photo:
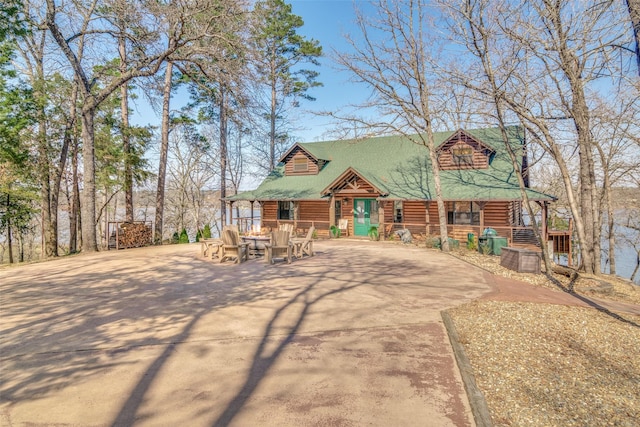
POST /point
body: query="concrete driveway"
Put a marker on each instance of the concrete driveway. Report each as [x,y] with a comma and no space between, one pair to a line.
[158,337]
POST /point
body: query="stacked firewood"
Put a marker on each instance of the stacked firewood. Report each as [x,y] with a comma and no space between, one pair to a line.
[133,235]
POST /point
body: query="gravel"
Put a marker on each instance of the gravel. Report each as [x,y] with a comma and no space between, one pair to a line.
[605,286]
[553,365]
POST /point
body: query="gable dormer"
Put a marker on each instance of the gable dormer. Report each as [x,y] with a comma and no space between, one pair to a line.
[350,183]
[298,161]
[463,151]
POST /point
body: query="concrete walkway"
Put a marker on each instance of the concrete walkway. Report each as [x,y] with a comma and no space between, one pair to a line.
[158,337]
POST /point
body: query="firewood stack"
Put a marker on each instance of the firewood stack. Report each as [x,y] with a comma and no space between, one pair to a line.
[133,235]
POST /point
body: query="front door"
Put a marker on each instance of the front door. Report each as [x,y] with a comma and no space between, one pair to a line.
[365,214]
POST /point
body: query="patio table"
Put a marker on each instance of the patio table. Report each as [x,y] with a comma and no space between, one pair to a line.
[256,244]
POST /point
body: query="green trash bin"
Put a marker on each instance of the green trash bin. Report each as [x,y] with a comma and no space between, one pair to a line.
[496,244]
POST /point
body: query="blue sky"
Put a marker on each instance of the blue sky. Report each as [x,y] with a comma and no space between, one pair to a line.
[326,21]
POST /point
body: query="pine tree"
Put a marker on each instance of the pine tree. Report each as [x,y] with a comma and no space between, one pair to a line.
[280,54]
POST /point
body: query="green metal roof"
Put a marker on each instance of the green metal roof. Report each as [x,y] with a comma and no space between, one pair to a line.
[401,168]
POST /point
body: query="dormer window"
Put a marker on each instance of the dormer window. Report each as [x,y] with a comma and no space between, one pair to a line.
[462,155]
[300,164]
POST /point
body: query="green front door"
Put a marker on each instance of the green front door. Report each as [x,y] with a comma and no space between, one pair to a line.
[365,214]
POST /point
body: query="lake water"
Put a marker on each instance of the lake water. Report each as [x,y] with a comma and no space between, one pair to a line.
[625,254]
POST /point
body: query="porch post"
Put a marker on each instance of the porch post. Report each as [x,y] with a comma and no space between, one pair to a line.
[570,260]
[332,210]
[427,217]
[230,212]
[543,226]
[251,228]
[482,206]
[381,218]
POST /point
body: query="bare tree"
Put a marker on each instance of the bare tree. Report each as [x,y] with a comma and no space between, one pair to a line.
[634,13]
[151,48]
[212,65]
[191,179]
[164,151]
[475,30]
[392,58]
[561,49]
[616,124]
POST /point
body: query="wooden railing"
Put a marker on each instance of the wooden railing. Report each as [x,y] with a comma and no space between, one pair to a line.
[519,236]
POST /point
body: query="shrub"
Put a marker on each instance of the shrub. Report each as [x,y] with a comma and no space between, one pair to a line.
[373,233]
[184,237]
[485,249]
[175,238]
[335,231]
[206,232]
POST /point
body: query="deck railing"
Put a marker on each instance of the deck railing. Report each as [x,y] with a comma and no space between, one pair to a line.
[519,236]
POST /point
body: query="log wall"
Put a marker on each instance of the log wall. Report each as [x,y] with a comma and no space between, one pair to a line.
[312,167]
[497,214]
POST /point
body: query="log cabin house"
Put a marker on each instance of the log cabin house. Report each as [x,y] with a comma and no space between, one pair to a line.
[388,182]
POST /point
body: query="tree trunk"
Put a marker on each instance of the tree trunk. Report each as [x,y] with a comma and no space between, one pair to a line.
[70,139]
[9,242]
[48,232]
[164,150]
[126,138]
[481,44]
[634,13]
[223,155]
[272,121]
[606,189]
[88,206]
[442,209]
[591,246]
[637,267]
[74,210]
[49,226]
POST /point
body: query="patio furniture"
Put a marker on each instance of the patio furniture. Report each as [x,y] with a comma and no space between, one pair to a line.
[304,246]
[210,248]
[343,225]
[280,247]
[232,247]
[286,227]
[257,244]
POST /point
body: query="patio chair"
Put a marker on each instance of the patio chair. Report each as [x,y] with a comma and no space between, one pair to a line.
[286,227]
[280,247]
[304,246]
[343,225]
[210,248]
[233,247]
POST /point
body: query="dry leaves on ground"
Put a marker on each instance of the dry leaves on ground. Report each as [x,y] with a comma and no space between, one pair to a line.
[603,286]
[542,364]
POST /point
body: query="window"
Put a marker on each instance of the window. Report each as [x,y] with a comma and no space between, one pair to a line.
[300,164]
[462,155]
[397,211]
[285,210]
[338,207]
[374,215]
[464,213]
